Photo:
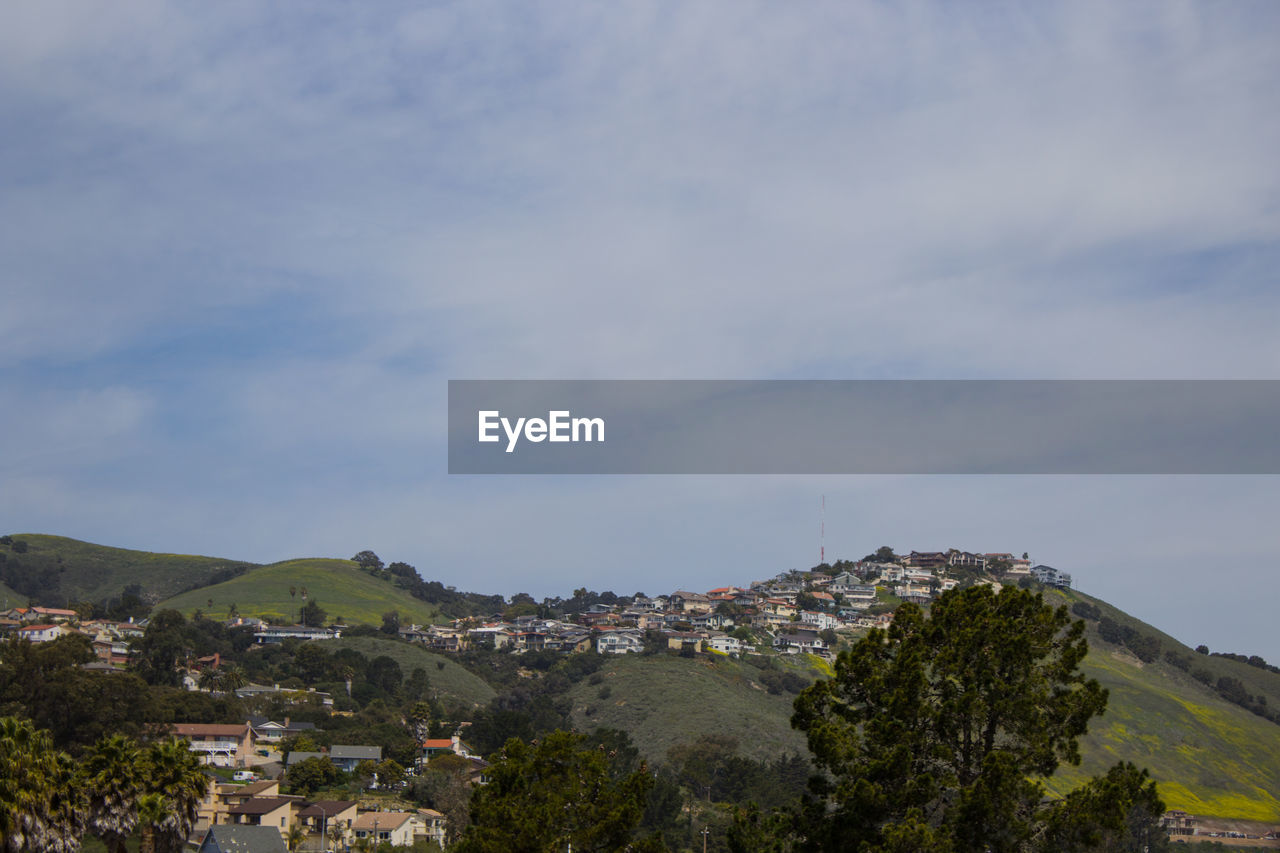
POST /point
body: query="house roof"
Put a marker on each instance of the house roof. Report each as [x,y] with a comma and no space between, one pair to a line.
[230,838]
[262,805]
[296,757]
[327,808]
[438,743]
[203,729]
[387,821]
[254,788]
[360,753]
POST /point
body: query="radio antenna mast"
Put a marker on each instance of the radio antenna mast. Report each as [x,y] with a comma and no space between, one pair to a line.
[822,533]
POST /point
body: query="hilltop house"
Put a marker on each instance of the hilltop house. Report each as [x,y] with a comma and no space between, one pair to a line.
[1049,576]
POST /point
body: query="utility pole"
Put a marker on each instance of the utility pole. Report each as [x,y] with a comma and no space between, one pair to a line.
[706,830]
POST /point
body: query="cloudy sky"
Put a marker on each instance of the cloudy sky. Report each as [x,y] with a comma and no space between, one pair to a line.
[245,247]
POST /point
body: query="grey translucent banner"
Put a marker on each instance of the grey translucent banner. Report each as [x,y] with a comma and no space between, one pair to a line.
[864,427]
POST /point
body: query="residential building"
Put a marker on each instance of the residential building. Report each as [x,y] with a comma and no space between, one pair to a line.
[347,758]
[394,828]
[1049,576]
[619,642]
[279,812]
[319,818]
[724,644]
[219,744]
[241,839]
[429,824]
[43,633]
[280,633]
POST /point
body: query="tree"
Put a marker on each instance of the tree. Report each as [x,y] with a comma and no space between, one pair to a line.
[391,622]
[113,782]
[937,732]
[312,614]
[547,795]
[154,810]
[163,649]
[313,774]
[41,804]
[1118,811]
[174,771]
[883,554]
[367,560]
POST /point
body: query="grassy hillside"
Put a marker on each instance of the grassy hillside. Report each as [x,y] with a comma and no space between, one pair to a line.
[59,570]
[338,586]
[10,598]
[447,677]
[662,701]
[1209,756]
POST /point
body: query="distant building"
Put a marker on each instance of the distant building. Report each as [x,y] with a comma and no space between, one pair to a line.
[1049,576]
[347,758]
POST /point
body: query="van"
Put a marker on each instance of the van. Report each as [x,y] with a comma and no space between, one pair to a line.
[245,776]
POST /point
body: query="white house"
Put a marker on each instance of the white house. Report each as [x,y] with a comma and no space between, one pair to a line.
[619,642]
[725,644]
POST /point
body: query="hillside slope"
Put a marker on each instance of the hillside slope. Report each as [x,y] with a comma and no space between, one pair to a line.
[57,570]
[662,701]
[338,586]
[1209,756]
[449,679]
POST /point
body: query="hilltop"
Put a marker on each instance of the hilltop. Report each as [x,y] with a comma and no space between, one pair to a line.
[274,593]
[58,571]
[1205,725]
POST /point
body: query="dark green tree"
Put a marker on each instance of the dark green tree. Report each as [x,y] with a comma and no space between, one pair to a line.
[313,774]
[543,797]
[1116,812]
[937,732]
[163,649]
[312,614]
[367,560]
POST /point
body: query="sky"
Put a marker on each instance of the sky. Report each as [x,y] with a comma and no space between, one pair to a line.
[246,246]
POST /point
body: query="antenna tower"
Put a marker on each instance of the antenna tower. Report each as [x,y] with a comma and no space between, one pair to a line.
[822,533]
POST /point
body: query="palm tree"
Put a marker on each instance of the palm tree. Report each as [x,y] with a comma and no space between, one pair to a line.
[111,771]
[67,807]
[336,834]
[295,837]
[233,678]
[153,811]
[347,674]
[174,770]
[41,802]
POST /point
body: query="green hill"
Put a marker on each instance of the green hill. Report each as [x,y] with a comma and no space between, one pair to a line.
[57,571]
[338,586]
[10,598]
[449,678]
[1209,756]
[662,701]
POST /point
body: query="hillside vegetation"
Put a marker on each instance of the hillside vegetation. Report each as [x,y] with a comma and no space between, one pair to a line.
[1208,755]
[663,700]
[57,571]
[338,586]
[448,678]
